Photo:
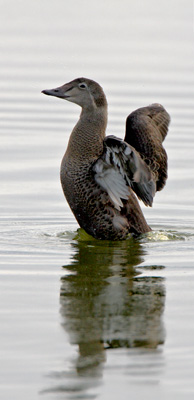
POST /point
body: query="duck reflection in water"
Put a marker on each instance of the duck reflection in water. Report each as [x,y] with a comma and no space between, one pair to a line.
[106,303]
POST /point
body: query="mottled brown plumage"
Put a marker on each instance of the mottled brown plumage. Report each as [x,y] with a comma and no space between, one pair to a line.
[146,128]
[100,176]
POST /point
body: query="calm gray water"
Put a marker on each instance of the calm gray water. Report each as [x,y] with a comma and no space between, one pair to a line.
[83,319]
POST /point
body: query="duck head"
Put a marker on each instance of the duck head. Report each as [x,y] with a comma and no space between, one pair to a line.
[82,91]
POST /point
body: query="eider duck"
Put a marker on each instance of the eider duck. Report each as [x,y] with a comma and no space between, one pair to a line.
[102,177]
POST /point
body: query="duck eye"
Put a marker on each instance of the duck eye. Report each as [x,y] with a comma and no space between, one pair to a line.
[82,86]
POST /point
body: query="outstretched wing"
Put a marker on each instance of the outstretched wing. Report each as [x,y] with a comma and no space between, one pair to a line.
[146,128]
[119,168]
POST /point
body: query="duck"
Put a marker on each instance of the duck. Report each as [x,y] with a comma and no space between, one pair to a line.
[104,177]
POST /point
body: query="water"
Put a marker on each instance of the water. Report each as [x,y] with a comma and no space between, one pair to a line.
[83,319]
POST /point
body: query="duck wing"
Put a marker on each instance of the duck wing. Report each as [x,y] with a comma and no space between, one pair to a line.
[120,168]
[146,128]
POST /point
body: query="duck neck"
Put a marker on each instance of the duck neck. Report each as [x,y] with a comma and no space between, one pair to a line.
[86,140]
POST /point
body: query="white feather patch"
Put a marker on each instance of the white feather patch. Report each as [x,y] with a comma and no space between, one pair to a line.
[120,168]
[110,179]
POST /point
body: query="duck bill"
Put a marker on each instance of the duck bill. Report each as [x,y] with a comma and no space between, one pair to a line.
[60,91]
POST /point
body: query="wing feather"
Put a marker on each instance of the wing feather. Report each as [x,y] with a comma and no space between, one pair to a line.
[146,129]
[119,168]
[110,179]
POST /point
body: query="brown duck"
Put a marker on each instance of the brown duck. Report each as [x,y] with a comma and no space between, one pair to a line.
[102,176]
